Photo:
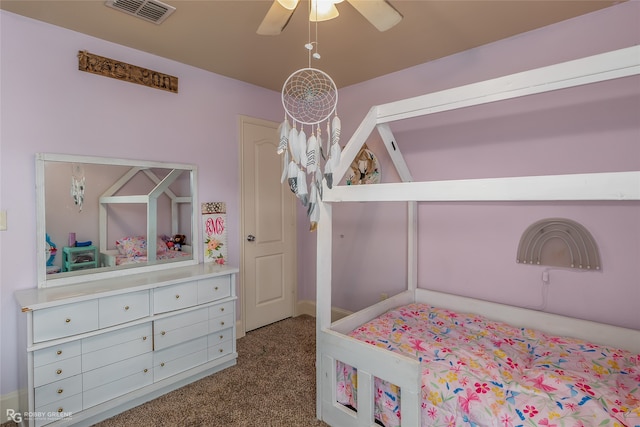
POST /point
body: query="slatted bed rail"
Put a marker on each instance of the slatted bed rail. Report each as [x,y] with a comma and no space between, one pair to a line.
[555,324]
[370,362]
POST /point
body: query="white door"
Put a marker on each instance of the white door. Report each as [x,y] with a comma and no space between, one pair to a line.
[268,265]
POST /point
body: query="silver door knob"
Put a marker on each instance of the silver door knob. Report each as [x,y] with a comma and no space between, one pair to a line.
[251,238]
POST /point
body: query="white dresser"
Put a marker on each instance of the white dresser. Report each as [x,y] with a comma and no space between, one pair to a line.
[98,348]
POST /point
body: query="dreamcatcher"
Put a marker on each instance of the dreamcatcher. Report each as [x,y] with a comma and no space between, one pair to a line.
[309,98]
[77,185]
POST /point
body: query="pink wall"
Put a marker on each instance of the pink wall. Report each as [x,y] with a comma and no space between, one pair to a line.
[470,248]
[50,106]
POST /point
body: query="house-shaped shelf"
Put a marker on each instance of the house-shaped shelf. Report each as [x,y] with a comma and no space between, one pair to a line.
[161,186]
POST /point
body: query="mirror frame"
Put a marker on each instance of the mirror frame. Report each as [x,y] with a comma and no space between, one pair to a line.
[88,275]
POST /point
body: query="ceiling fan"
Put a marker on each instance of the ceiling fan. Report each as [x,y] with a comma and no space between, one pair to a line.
[380,13]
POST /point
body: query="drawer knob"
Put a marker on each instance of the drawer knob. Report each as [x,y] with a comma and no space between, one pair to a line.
[60,409]
[162,364]
[177,296]
[126,307]
[222,323]
[60,391]
[222,309]
[67,320]
[215,289]
[221,336]
[144,338]
[145,370]
[59,371]
[221,350]
[59,352]
[163,333]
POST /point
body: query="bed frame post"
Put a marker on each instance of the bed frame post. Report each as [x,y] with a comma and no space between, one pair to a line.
[412,246]
[323,289]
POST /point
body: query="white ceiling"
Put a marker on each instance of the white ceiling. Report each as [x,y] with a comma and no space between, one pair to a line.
[220,36]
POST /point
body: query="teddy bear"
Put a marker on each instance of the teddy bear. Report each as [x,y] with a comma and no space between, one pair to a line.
[178,240]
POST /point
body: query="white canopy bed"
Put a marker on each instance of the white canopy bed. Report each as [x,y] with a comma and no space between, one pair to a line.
[337,348]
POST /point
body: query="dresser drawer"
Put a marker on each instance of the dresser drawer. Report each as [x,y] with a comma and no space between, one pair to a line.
[213,288]
[123,308]
[180,328]
[221,309]
[220,336]
[58,390]
[220,350]
[221,322]
[111,390]
[115,346]
[65,320]
[175,297]
[116,371]
[179,351]
[56,353]
[179,358]
[56,371]
[60,409]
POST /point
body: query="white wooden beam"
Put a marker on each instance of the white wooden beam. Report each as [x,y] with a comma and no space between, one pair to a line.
[125,199]
[590,186]
[323,288]
[592,69]
[354,145]
[394,152]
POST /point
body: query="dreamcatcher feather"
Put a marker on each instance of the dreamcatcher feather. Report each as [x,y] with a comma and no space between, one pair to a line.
[312,154]
[283,130]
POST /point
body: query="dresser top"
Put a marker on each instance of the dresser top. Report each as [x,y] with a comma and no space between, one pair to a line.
[39,298]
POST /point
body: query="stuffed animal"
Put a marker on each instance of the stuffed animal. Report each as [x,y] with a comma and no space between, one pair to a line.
[178,240]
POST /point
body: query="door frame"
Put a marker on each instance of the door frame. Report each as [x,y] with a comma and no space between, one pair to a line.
[240,324]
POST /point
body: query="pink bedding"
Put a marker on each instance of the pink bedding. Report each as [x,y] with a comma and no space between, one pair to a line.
[478,372]
[133,249]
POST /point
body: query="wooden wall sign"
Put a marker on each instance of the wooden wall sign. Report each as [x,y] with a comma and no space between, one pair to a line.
[122,71]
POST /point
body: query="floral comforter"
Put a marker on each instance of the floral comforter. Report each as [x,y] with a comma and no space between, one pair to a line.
[478,372]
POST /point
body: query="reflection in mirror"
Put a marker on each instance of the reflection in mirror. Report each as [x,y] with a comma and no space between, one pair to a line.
[98,217]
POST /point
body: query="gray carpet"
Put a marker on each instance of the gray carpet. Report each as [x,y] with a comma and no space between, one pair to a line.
[272,385]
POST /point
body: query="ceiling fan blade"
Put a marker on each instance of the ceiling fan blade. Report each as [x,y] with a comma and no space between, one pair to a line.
[379,12]
[276,19]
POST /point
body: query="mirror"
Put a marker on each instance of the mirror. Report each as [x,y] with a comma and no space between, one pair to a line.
[96,217]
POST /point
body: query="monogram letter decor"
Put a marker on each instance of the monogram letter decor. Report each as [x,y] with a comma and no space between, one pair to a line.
[122,71]
[214,223]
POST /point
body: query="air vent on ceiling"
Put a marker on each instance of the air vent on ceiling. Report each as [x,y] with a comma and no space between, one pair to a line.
[149,10]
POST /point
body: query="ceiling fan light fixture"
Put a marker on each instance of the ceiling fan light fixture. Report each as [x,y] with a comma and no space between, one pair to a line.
[288,4]
[323,10]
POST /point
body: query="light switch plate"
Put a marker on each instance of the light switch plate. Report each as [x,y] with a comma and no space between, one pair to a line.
[3,220]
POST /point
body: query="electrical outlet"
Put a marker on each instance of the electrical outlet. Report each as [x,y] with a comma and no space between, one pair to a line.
[383,296]
[3,220]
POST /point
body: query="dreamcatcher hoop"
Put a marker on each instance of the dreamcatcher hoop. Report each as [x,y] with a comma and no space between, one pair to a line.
[309,96]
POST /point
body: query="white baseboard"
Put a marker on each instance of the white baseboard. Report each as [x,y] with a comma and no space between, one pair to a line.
[302,307]
[239,329]
[309,308]
[9,404]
